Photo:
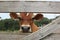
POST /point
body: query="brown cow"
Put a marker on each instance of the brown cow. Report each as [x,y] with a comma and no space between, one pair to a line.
[26,21]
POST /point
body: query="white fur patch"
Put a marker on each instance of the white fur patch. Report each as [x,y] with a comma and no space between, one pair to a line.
[18,14]
[26,25]
[27,14]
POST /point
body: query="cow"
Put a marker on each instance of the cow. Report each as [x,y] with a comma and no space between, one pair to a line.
[27,20]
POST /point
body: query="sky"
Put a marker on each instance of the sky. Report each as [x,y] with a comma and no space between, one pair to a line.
[4,15]
[49,16]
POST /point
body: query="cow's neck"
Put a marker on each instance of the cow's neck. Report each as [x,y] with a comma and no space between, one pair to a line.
[34,27]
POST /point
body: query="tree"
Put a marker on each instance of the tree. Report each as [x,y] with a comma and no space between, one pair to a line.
[0,18]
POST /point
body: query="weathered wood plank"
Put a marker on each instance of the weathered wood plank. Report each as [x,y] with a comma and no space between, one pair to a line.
[46,30]
[29,6]
[12,35]
[53,36]
[29,0]
[21,0]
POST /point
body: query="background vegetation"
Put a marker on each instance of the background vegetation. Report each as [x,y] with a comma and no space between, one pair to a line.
[9,25]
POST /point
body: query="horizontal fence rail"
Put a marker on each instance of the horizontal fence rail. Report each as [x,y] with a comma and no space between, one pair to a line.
[29,6]
[28,0]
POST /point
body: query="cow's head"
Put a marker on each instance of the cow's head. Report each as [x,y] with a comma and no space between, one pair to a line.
[26,20]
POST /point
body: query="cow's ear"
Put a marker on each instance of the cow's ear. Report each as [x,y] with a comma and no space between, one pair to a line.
[38,17]
[13,15]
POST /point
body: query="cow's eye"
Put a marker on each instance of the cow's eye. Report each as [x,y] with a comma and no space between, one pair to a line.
[33,18]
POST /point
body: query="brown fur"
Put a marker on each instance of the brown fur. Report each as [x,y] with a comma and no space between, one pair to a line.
[27,20]
[13,15]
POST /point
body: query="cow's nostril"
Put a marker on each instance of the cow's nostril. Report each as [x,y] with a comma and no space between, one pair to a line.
[25,29]
[22,28]
[28,27]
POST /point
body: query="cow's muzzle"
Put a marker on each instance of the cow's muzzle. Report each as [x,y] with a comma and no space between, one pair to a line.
[25,28]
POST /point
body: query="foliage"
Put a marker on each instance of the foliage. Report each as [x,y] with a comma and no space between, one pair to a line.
[9,24]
